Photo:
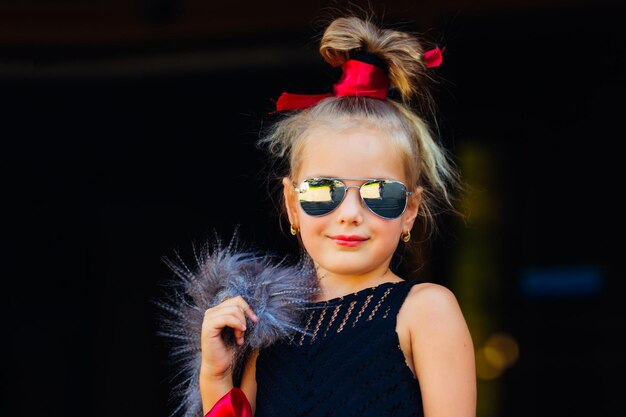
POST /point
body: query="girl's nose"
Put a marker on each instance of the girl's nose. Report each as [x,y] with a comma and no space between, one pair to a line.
[351,208]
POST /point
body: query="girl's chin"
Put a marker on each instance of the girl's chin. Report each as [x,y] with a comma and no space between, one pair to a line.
[347,268]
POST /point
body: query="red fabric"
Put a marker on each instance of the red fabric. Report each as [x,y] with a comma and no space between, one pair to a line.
[233,404]
[358,79]
[362,79]
[434,57]
[288,101]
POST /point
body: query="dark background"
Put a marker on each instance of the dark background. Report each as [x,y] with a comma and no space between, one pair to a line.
[119,119]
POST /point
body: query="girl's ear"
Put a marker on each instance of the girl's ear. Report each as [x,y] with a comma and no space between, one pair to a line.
[290,202]
[412,208]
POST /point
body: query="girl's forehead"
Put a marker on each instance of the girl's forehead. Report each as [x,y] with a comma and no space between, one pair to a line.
[358,140]
[356,152]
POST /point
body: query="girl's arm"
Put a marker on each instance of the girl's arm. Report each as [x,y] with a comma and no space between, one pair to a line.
[442,352]
[212,388]
[248,380]
[216,378]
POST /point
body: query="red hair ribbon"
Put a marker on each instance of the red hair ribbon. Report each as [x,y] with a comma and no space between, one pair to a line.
[358,79]
[233,404]
[434,57]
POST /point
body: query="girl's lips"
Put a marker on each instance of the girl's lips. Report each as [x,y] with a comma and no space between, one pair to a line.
[348,240]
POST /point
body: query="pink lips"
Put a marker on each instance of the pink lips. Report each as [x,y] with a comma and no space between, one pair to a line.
[348,240]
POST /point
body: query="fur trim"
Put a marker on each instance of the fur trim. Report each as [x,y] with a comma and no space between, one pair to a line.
[278,294]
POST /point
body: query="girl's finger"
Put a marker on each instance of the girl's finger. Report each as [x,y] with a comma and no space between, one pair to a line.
[243,305]
[234,310]
[230,320]
[239,333]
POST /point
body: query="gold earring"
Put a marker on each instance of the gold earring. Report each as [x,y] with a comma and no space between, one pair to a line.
[294,230]
[406,237]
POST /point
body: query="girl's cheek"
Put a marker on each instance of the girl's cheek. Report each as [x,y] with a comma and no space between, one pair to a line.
[312,233]
[309,229]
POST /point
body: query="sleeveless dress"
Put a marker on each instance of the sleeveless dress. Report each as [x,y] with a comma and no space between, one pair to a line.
[349,362]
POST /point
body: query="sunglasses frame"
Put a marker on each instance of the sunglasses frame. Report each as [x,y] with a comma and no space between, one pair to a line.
[407,193]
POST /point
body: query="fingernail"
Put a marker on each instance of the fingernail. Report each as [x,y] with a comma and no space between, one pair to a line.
[255,317]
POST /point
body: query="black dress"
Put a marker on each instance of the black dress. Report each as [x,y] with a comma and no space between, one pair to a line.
[348,364]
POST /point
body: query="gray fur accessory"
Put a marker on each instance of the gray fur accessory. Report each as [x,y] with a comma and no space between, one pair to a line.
[277,292]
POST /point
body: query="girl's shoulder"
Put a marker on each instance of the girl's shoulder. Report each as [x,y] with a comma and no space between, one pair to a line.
[429,290]
[432,323]
[427,300]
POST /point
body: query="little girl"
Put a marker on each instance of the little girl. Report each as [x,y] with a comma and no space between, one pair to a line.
[362,169]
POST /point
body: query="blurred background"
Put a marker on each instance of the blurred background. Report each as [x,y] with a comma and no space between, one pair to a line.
[120,118]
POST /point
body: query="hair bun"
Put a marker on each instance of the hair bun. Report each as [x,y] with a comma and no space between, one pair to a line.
[401,53]
[364,56]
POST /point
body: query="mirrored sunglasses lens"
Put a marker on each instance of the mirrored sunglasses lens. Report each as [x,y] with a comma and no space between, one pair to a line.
[320,196]
[385,198]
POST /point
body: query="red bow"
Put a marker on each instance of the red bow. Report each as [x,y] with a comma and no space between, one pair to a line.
[358,79]
[233,404]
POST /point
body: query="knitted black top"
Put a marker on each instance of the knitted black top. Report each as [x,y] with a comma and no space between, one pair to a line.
[348,364]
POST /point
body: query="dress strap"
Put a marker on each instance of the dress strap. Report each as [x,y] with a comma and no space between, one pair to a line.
[400,293]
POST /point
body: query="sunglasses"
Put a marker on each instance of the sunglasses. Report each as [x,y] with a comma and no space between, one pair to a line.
[384,198]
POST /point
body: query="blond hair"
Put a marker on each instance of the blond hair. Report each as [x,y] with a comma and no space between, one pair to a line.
[426,162]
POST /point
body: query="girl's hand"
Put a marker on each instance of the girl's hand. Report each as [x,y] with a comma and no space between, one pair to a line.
[216,356]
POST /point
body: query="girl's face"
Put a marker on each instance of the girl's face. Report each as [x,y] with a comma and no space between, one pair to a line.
[351,240]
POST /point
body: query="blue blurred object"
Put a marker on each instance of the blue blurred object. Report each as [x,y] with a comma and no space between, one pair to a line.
[562,281]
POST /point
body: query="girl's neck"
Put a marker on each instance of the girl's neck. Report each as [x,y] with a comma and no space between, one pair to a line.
[334,285]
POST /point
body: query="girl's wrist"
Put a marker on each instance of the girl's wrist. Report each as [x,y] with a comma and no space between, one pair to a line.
[207,374]
[213,388]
